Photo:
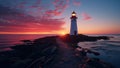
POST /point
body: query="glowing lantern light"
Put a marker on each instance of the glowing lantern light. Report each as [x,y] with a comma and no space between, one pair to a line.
[73,13]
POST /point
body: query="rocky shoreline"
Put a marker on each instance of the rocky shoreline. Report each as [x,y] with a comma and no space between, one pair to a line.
[81,38]
[43,53]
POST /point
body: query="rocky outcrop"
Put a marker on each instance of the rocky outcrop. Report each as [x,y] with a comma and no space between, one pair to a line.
[80,38]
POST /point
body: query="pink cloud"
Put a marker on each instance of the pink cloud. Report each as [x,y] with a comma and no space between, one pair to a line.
[36,26]
[53,12]
[86,16]
[17,21]
[76,3]
[46,26]
[39,18]
[38,2]
[60,6]
[21,5]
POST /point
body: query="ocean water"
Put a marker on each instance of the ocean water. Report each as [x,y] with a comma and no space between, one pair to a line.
[109,49]
[7,40]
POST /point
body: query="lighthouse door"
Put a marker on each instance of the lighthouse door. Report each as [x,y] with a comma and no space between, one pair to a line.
[75,32]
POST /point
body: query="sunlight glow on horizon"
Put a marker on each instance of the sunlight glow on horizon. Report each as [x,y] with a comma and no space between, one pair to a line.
[62,33]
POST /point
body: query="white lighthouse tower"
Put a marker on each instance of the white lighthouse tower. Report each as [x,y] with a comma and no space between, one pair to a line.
[73,28]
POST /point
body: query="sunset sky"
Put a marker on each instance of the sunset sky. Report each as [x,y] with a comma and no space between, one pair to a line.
[53,16]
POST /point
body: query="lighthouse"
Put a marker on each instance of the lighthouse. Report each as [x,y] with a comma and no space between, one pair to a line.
[73,28]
